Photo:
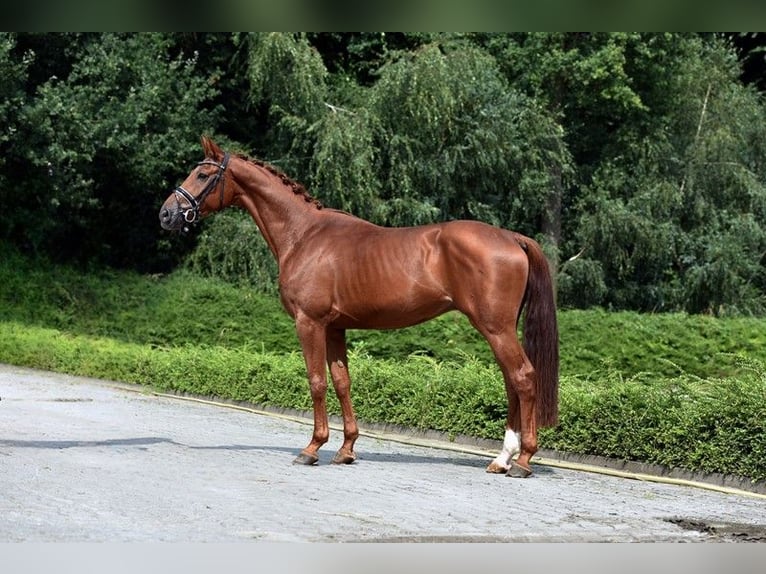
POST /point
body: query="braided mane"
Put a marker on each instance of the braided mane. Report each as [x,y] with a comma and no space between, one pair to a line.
[297,188]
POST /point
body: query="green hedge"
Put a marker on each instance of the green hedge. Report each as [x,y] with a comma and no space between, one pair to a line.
[714,425]
[674,389]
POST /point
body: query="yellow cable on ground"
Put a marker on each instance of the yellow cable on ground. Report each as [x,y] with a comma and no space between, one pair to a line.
[478,451]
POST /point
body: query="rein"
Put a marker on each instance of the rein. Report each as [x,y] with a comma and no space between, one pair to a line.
[191,214]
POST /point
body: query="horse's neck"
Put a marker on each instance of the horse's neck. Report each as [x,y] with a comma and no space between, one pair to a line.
[282,216]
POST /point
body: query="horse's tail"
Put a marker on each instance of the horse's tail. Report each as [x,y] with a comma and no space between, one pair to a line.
[541,334]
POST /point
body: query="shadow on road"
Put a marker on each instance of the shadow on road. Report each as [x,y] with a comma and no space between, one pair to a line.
[61,444]
[325,457]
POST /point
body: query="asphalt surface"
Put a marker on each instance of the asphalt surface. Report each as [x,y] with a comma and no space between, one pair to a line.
[83,460]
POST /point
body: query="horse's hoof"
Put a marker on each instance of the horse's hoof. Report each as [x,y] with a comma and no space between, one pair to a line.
[495,468]
[344,458]
[306,459]
[518,471]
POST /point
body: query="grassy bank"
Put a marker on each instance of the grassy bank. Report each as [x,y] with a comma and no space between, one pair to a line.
[183,309]
[688,392]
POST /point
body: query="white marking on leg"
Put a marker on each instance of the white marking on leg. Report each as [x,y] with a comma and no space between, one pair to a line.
[511,447]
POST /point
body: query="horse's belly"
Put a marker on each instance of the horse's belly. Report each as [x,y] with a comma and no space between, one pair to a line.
[392,310]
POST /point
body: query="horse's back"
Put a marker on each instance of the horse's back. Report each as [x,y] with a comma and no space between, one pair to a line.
[359,275]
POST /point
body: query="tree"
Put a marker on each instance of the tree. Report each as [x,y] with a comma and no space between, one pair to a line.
[459,138]
[97,146]
[673,219]
[288,86]
[635,158]
[582,83]
[13,69]
[722,186]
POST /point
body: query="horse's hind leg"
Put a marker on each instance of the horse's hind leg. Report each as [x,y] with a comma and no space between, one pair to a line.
[521,424]
[512,439]
[337,360]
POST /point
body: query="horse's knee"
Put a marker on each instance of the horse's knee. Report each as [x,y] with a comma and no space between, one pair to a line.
[317,387]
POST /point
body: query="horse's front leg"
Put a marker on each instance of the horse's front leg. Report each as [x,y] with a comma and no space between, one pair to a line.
[337,361]
[313,339]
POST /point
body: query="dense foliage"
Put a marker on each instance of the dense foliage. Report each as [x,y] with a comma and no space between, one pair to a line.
[638,159]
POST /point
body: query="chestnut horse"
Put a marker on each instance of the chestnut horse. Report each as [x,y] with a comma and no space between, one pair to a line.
[339,272]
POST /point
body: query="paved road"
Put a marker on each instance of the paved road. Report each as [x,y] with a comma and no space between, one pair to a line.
[84,460]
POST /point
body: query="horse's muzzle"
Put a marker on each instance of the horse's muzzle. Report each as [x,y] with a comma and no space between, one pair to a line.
[171,219]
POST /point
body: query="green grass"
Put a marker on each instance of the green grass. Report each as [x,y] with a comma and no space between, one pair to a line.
[684,391]
[182,308]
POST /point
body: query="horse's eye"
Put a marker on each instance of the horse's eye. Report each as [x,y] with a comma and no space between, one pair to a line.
[202,176]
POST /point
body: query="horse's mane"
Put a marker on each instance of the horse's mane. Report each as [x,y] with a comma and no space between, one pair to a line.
[297,188]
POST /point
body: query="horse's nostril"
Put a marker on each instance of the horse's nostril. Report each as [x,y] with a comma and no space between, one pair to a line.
[164,214]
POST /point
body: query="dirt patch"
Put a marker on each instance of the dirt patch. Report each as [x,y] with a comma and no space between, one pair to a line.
[724,531]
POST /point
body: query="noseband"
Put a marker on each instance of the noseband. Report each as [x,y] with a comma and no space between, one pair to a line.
[191,213]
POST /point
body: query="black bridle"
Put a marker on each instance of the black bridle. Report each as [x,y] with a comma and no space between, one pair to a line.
[191,213]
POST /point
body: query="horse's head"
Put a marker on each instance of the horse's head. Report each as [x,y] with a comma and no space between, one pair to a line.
[196,197]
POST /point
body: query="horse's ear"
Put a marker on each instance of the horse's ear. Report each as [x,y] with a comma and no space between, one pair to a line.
[210,148]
